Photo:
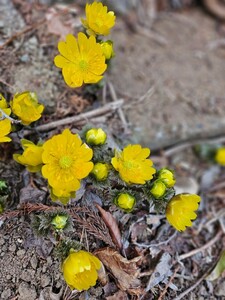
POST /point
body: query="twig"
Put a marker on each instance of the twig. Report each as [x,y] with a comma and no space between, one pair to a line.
[5,116]
[90,114]
[120,111]
[162,294]
[19,33]
[191,288]
[204,247]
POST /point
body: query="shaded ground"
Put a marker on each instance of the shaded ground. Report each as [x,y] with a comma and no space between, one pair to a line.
[173,87]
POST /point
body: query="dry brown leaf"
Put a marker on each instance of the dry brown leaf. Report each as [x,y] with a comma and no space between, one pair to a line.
[125,271]
[55,25]
[120,295]
[112,225]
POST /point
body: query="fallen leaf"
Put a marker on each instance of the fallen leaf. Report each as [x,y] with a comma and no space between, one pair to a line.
[219,268]
[126,272]
[161,272]
[112,225]
[120,295]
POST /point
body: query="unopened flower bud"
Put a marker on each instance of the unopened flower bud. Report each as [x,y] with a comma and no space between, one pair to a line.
[158,189]
[125,201]
[96,136]
[167,177]
[59,221]
[107,49]
[100,171]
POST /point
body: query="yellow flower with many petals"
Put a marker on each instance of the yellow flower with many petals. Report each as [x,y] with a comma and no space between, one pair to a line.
[220,156]
[98,20]
[66,161]
[133,165]
[5,124]
[31,157]
[61,194]
[81,60]
[5,128]
[180,210]
[80,270]
[25,106]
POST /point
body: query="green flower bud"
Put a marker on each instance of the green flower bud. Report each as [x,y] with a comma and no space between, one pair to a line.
[167,177]
[100,171]
[59,222]
[158,189]
[1,208]
[125,201]
[96,136]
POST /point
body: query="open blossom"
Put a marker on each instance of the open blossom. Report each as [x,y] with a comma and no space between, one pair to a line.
[31,156]
[25,106]
[180,210]
[80,270]
[133,165]
[66,161]
[81,60]
[98,20]
[5,124]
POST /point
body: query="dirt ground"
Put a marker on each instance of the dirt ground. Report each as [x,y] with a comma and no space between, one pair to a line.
[170,76]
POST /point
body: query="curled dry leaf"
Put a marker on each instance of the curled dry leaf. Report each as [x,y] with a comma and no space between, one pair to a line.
[112,225]
[126,272]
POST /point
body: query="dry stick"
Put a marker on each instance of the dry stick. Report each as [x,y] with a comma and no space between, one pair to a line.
[90,114]
[207,245]
[169,282]
[191,288]
[120,112]
[183,145]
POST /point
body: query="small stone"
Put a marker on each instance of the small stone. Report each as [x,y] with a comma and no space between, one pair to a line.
[6,294]
[12,248]
[26,292]
[20,252]
[45,280]
[220,289]
[27,275]
[2,242]
[49,260]
[8,277]
[34,262]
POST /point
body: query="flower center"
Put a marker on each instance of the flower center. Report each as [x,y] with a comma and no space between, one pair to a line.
[65,162]
[99,22]
[83,65]
[130,165]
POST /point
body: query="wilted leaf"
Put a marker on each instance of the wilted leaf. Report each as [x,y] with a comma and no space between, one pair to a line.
[219,268]
[111,223]
[161,272]
[120,295]
[126,272]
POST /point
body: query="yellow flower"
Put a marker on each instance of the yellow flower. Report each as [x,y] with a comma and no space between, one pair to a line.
[158,189]
[25,106]
[5,124]
[133,165]
[81,61]
[220,156]
[107,48]
[181,210]
[167,177]
[80,270]
[61,194]
[31,157]
[5,128]
[98,21]
[96,136]
[125,201]
[66,161]
[100,171]
[4,106]
[59,221]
